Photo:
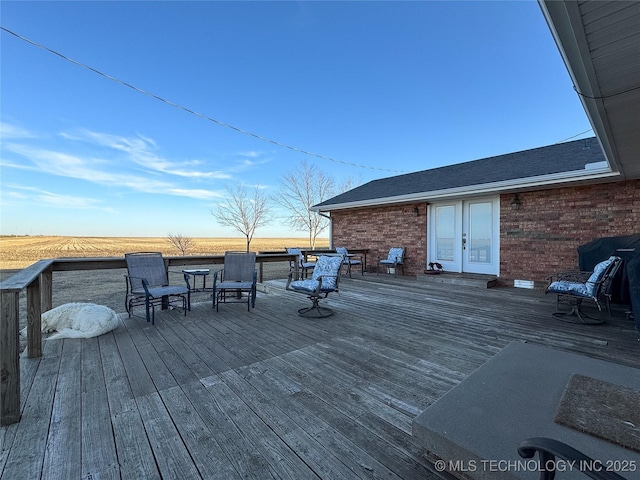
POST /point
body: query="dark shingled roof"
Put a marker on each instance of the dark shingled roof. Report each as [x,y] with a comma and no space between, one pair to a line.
[553,159]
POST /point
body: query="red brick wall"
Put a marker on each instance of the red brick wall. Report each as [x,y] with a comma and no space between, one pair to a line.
[537,240]
[381,228]
[541,237]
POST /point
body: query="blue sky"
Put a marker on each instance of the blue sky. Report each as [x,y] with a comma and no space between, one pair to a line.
[380,87]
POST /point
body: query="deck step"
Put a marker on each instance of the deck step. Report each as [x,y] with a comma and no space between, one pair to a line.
[463,279]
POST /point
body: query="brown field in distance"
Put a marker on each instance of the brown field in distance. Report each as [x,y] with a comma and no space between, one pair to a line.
[21,251]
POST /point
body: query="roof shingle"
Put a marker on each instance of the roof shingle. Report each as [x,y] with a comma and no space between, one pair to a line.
[553,159]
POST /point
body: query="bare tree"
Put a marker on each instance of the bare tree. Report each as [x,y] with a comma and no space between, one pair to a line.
[348,183]
[180,242]
[244,211]
[301,189]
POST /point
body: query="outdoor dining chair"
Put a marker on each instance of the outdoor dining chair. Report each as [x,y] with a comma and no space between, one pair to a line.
[394,259]
[237,280]
[148,284]
[349,260]
[324,280]
[304,266]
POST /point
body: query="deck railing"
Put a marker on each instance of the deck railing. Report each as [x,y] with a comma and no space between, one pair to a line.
[37,279]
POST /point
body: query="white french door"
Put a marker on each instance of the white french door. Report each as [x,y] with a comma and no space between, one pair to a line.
[464,236]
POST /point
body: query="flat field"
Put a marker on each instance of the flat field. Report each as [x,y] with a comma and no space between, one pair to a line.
[18,252]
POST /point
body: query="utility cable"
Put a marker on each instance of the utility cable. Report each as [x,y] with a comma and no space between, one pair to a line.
[573,136]
[604,97]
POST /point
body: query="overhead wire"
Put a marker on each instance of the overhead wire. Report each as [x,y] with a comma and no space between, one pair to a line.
[190,111]
[604,97]
[573,136]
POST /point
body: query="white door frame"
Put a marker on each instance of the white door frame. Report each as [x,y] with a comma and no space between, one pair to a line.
[464,235]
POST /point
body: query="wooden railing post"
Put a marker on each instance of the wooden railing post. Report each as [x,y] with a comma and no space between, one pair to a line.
[9,358]
[34,321]
[46,288]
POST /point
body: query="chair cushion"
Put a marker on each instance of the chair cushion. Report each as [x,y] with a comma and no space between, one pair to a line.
[304,285]
[571,288]
[395,255]
[598,272]
[347,261]
[328,268]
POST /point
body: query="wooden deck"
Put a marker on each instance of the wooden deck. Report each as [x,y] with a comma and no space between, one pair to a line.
[268,394]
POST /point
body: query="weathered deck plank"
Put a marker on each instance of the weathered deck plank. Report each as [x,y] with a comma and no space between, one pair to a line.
[99,457]
[267,394]
[26,453]
[65,428]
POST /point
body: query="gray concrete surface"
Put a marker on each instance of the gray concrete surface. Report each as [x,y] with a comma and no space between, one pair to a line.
[477,426]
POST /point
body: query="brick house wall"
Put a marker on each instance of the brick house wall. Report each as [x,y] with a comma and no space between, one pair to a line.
[537,240]
[381,228]
[542,237]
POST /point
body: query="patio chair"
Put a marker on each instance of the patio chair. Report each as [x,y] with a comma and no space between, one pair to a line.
[324,280]
[576,286]
[394,259]
[239,276]
[304,266]
[148,284]
[350,260]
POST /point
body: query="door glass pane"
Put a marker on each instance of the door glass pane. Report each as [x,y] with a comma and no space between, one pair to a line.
[480,232]
[445,228]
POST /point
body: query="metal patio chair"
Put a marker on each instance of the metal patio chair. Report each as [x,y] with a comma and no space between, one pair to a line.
[304,266]
[236,280]
[148,284]
[394,259]
[350,260]
[324,280]
[575,287]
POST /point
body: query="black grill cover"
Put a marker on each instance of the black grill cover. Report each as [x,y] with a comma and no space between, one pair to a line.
[626,285]
[590,254]
[633,276]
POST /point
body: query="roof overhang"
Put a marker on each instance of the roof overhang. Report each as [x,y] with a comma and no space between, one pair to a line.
[599,42]
[597,174]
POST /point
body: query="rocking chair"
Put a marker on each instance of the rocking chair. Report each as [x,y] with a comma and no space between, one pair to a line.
[579,286]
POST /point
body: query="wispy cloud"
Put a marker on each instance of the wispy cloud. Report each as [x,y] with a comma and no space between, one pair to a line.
[8,130]
[197,193]
[251,154]
[249,160]
[51,199]
[129,163]
[141,151]
[62,164]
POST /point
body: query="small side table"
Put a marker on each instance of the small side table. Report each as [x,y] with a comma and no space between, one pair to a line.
[195,274]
